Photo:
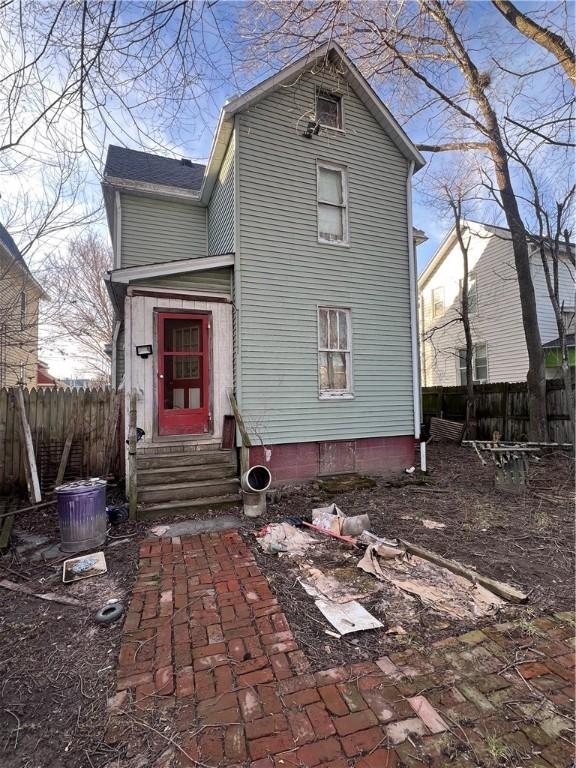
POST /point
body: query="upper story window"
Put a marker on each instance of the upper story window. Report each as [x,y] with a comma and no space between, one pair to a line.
[334,352]
[329,110]
[437,301]
[23,309]
[479,364]
[332,194]
[472,293]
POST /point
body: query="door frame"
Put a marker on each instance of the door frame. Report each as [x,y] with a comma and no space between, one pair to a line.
[156,382]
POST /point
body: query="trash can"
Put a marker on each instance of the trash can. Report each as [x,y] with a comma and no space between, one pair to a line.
[82,514]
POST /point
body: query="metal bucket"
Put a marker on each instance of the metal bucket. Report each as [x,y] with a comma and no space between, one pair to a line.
[82,514]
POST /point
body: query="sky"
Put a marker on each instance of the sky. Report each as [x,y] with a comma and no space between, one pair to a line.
[192,133]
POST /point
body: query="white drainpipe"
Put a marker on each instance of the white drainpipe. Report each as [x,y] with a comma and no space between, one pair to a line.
[416,394]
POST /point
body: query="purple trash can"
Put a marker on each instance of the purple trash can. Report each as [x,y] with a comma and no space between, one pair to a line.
[82,514]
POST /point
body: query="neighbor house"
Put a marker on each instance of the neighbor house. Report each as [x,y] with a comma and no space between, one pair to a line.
[20,296]
[282,272]
[499,352]
[44,378]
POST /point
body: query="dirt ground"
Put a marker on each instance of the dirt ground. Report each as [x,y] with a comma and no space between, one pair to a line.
[57,665]
[526,540]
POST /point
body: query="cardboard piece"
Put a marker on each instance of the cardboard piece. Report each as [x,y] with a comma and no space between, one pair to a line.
[350,617]
[83,567]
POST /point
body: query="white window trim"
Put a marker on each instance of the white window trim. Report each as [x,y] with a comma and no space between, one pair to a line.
[336,394]
[433,302]
[459,369]
[345,242]
[340,97]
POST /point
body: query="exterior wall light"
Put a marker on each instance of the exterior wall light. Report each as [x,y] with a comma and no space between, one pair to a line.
[144,350]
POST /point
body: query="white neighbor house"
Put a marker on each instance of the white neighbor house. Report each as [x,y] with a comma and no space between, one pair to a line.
[500,352]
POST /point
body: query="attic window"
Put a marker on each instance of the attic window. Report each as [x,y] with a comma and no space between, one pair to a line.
[329,110]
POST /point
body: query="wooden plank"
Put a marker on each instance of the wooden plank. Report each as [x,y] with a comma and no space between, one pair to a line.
[509,593]
[111,442]
[29,457]
[132,476]
[51,596]
[6,530]
[3,436]
[240,422]
[65,454]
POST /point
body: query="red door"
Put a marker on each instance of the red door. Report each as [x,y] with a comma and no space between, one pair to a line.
[183,374]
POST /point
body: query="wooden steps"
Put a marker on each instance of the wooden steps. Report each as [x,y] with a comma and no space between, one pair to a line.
[181,480]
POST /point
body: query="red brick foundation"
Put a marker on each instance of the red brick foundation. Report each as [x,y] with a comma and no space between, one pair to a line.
[301,462]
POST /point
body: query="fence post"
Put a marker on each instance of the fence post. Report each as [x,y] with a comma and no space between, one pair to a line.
[28,449]
[132,475]
[505,393]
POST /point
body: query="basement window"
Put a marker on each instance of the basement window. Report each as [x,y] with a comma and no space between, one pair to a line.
[329,110]
[334,352]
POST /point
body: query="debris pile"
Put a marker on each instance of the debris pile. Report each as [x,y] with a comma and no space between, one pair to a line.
[403,578]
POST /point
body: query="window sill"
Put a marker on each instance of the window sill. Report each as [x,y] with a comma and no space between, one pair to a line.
[332,129]
[336,396]
[338,243]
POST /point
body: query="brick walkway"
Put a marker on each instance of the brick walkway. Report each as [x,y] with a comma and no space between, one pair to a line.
[205,640]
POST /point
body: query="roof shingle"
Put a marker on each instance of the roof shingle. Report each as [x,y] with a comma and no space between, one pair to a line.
[8,242]
[134,165]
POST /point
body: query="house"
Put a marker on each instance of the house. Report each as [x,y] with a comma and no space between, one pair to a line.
[43,377]
[499,352]
[20,296]
[283,272]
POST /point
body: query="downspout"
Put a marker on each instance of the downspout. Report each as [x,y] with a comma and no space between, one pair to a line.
[117,324]
[117,230]
[416,391]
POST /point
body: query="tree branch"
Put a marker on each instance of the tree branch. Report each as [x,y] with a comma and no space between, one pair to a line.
[549,40]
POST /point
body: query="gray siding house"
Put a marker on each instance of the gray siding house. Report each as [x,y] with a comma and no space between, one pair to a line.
[499,352]
[282,272]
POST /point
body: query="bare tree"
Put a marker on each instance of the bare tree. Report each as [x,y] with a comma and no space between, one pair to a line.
[547,38]
[76,75]
[552,238]
[84,321]
[425,57]
[453,190]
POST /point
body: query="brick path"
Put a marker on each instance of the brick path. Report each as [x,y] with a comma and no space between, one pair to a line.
[205,640]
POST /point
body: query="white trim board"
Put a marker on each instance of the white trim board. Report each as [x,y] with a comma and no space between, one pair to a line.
[163,269]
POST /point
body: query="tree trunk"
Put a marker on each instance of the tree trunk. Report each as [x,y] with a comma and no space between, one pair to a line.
[536,375]
[465,307]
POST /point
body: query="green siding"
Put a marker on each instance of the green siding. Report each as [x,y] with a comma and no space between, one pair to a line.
[284,273]
[553,357]
[217,280]
[155,230]
[221,208]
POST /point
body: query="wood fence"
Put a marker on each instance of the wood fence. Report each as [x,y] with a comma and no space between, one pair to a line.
[88,415]
[501,407]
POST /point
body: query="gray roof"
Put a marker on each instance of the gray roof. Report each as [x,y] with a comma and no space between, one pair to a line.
[556,342]
[134,165]
[8,242]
